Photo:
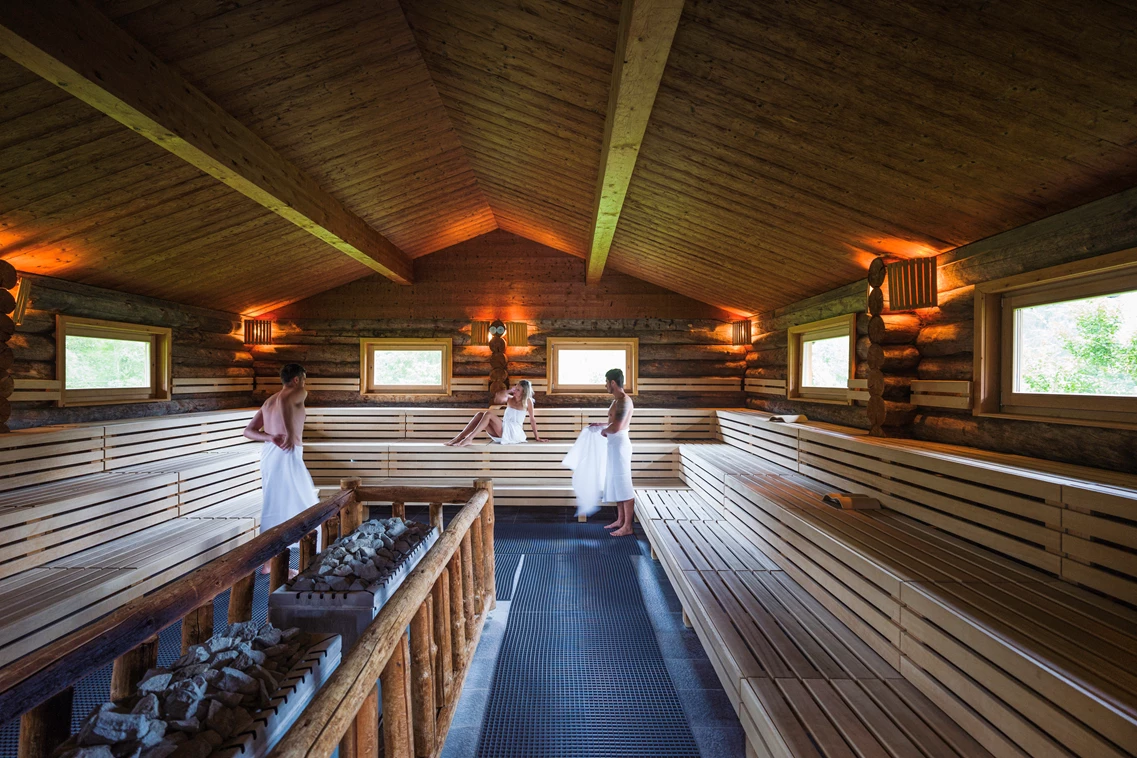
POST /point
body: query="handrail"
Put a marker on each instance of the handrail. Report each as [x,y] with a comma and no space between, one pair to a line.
[343,713]
[29,681]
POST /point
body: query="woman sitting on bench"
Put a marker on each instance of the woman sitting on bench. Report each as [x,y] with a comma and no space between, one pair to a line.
[518,401]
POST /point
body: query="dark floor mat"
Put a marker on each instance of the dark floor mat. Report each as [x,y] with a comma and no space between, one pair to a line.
[505,568]
[580,674]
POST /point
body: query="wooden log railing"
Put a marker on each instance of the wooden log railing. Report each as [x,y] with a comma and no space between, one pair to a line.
[444,602]
[38,688]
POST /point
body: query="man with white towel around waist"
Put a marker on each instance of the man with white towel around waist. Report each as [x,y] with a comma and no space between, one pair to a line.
[285,482]
[618,475]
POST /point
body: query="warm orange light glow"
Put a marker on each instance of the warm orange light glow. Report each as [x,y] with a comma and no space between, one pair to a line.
[901,248]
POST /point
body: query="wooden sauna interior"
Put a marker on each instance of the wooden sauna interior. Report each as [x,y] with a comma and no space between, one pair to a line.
[933,554]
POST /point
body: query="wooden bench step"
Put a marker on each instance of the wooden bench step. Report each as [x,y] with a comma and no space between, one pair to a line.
[673,505]
[46,522]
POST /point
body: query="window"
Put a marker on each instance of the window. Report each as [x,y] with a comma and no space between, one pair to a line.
[821,359]
[405,367]
[104,362]
[577,365]
[1060,343]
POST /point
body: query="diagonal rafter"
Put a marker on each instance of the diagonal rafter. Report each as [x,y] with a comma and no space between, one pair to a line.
[647,28]
[75,47]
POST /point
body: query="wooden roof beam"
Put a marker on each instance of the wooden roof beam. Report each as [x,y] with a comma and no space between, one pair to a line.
[647,28]
[77,48]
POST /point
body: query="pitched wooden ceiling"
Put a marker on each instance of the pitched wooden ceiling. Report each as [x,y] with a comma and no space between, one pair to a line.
[788,143]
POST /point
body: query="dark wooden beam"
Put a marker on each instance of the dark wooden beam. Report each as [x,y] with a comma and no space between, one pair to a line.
[75,47]
[647,28]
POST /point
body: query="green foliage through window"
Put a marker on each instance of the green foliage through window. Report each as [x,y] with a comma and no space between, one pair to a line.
[1078,347]
[825,362]
[97,363]
[407,368]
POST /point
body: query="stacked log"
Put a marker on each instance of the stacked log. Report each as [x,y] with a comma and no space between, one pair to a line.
[7,329]
[499,372]
[890,359]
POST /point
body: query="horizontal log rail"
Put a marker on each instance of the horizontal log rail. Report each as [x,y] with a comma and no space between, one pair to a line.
[39,687]
[444,601]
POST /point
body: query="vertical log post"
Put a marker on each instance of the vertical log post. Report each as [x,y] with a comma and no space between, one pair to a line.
[478,567]
[7,329]
[399,510]
[46,727]
[130,667]
[362,738]
[488,559]
[397,724]
[436,515]
[878,272]
[422,683]
[329,532]
[241,599]
[307,549]
[278,569]
[445,659]
[457,615]
[467,567]
[197,626]
[351,515]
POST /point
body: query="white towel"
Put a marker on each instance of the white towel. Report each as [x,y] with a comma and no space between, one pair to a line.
[588,459]
[286,485]
[618,475]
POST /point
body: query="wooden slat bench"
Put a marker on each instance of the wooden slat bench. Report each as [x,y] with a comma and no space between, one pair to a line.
[673,505]
[209,478]
[128,443]
[43,523]
[35,456]
[1032,665]
[69,592]
[802,683]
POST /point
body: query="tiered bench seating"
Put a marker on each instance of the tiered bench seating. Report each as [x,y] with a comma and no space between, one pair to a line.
[959,582]
[92,516]
[802,683]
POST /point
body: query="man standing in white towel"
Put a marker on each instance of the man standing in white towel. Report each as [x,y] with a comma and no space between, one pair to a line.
[618,474]
[285,482]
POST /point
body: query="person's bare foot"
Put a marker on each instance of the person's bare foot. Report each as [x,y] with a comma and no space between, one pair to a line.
[293,573]
[624,531]
[615,524]
[265,569]
[464,442]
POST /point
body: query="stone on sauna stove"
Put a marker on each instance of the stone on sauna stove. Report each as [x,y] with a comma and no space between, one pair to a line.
[361,559]
[192,707]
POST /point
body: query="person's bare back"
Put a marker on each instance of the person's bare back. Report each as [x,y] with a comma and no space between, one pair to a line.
[281,418]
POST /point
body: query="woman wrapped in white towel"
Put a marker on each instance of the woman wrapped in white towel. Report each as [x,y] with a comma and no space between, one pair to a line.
[508,430]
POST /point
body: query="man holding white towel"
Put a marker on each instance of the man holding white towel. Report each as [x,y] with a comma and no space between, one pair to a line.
[285,482]
[618,474]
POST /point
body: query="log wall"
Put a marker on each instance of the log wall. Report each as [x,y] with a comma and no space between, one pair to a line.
[938,343]
[501,275]
[206,343]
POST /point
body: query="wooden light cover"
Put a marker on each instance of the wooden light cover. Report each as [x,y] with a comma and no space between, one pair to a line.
[740,330]
[516,333]
[479,332]
[258,332]
[912,284]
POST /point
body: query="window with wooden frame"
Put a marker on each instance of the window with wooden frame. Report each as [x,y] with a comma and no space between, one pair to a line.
[106,362]
[821,359]
[577,365]
[405,366]
[1060,344]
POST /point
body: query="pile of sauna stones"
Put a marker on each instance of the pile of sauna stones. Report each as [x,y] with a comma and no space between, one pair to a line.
[191,708]
[364,558]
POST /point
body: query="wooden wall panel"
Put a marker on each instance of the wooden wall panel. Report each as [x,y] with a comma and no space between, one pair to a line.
[206,344]
[791,141]
[527,90]
[501,275]
[341,91]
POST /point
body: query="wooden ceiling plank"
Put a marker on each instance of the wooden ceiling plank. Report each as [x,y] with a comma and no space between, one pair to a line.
[647,28]
[74,46]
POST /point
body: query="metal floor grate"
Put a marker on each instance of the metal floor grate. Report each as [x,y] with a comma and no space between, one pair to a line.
[505,568]
[580,673]
[93,690]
